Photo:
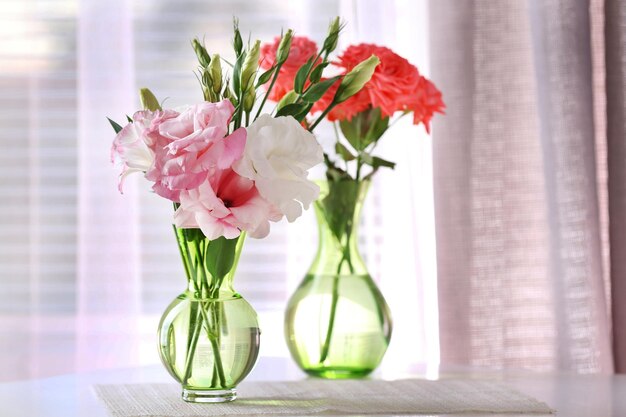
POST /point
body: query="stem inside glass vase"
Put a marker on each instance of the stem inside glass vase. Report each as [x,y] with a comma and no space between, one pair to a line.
[339,209]
[210,266]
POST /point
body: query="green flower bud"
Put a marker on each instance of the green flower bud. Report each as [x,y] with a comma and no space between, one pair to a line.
[229,95]
[215,69]
[237,42]
[250,66]
[148,100]
[248,100]
[354,81]
[288,98]
[201,53]
[209,95]
[330,43]
[282,53]
[207,80]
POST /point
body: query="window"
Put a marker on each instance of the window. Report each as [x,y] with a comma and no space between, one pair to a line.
[85,273]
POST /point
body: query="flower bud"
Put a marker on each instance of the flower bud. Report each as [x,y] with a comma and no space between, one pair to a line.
[282,53]
[354,81]
[207,80]
[288,98]
[201,53]
[237,42]
[250,66]
[229,95]
[248,100]
[148,100]
[215,69]
[330,43]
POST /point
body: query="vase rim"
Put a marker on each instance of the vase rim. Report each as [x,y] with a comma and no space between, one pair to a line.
[189,295]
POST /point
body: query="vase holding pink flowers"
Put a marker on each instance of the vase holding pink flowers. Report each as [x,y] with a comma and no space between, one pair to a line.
[207,317]
[229,169]
[337,323]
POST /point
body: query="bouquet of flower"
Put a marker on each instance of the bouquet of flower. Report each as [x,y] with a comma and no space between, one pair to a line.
[229,170]
[395,89]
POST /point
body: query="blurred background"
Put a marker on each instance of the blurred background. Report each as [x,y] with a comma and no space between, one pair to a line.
[86,272]
[498,240]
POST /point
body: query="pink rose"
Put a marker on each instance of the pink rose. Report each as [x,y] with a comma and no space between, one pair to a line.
[190,144]
[225,205]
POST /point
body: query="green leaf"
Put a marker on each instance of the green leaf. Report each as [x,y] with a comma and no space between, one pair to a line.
[351,131]
[305,110]
[291,109]
[301,75]
[364,128]
[316,91]
[376,162]
[265,77]
[338,207]
[333,172]
[344,152]
[116,126]
[374,125]
[129,119]
[220,256]
[316,74]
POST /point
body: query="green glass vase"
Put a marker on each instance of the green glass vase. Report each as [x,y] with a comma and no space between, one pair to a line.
[209,335]
[337,323]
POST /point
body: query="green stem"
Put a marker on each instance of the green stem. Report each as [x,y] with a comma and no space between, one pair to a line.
[267,93]
[335,295]
[359,164]
[192,341]
[200,284]
[321,116]
[215,343]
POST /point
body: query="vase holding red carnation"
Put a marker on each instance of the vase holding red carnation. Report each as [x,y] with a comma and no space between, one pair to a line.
[337,323]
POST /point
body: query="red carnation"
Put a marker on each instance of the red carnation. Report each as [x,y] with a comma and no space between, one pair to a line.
[396,85]
[302,49]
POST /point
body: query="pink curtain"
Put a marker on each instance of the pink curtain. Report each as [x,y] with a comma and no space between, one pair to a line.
[520,183]
[616,144]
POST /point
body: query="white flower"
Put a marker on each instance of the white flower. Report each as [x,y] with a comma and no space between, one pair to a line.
[278,154]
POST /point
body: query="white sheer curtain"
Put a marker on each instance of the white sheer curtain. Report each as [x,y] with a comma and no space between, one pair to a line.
[85,271]
[403,216]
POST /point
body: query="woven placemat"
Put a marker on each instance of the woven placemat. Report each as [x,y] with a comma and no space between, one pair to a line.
[409,396]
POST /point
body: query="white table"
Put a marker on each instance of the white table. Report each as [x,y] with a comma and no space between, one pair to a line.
[71,395]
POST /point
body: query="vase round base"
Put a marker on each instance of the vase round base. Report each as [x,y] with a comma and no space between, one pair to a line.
[338,372]
[209,396]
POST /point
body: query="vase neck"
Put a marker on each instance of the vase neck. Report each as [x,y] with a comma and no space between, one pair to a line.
[209,265]
[338,212]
